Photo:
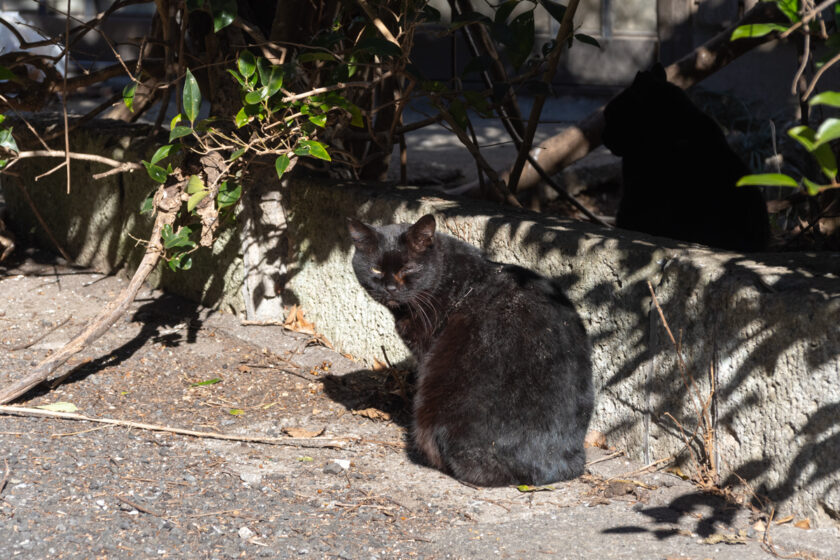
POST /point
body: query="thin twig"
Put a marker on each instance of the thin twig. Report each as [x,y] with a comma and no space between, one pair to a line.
[5,475]
[40,337]
[64,96]
[76,155]
[607,458]
[138,507]
[377,22]
[563,33]
[286,441]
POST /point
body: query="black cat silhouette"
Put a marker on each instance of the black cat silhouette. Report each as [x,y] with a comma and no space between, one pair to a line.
[678,171]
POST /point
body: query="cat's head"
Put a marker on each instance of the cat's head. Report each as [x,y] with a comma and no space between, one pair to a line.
[647,111]
[397,263]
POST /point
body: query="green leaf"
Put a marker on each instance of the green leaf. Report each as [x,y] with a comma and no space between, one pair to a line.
[237,77]
[431,15]
[556,10]
[811,187]
[128,95]
[185,262]
[59,406]
[829,130]
[192,97]
[224,12]
[527,488]
[356,118]
[235,155]
[822,153]
[148,204]
[175,120]
[313,149]
[206,382]
[305,459]
[246,63]
[755,30]
[235,411]
[254,97]
[281,164]
[789,8]
[8,141]
[227,197]
[318,120]
[504,10]
[156,172]
[275,80]
[178,132]
[379,47]
[830,98]
[163,152]
[195,184]
[242,118]
[583,38]
[768,179]
[264,70]
[195,199]
[180,239]
[522,27]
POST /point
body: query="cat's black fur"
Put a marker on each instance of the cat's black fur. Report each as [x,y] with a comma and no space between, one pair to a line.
[504,389]
[678,171]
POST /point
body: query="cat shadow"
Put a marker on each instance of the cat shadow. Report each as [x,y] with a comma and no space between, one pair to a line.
[378,394]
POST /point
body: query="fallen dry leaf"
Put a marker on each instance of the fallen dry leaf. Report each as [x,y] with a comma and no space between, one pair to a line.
[727,538]
[594,438]
[803,524]
[302,432]
[372,413]
[296,322]
[759,526]
[784,520]
[379,366]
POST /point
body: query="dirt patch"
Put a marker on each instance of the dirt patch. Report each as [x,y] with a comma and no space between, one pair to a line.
[83,490]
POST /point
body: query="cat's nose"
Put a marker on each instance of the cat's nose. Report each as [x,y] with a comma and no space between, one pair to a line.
[391,287]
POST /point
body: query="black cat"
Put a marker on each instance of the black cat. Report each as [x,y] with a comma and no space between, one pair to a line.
[678,171]
[504,389]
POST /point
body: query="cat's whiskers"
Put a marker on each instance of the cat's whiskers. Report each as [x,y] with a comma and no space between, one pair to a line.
[428,301]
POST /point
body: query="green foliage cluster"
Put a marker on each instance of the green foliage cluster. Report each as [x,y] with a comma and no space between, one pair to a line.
[816,142]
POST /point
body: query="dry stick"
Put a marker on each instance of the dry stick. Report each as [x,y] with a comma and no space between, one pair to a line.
[138,507]
[168,203]
[533,120]
[40,337]
[284,441]
[576,141]
[5,475]
[377,22]
[64,96]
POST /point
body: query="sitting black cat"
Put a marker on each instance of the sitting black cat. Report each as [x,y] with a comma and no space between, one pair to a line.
[678,171]
[504,389]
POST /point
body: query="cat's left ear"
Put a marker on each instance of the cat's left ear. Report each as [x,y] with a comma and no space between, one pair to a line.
[421,235]
[659,73]
[363,236]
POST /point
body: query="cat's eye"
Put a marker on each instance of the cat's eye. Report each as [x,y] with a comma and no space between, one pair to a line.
[375,270]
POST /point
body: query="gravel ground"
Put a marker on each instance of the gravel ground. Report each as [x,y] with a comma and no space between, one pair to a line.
[79,489]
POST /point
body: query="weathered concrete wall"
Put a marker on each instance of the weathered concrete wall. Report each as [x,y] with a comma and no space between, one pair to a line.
[759,336]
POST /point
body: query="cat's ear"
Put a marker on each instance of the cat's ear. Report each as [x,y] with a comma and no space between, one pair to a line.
[658,72]
[363,236]
[421,235]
